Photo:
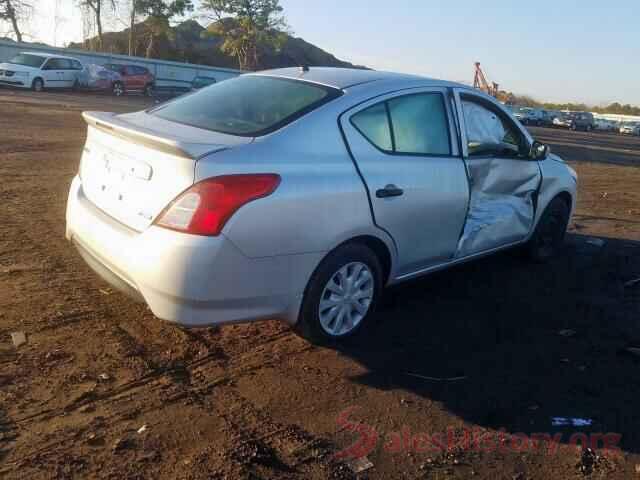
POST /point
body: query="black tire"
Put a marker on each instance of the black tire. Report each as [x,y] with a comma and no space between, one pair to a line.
[309,325]
[117,89]
[548,238]
[37,85]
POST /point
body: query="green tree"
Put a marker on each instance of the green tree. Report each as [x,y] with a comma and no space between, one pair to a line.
[246,27]
[159,14]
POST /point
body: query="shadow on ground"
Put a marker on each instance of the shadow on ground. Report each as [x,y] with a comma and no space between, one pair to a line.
[497,323]
[7,435]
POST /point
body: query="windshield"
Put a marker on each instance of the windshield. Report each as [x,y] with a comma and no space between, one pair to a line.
[28,60]
[249,105]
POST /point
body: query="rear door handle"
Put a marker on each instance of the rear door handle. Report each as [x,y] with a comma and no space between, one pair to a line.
[389,191]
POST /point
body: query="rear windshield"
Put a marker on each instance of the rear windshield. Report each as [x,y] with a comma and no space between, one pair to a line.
[199,82]
[27,60]
[249,105]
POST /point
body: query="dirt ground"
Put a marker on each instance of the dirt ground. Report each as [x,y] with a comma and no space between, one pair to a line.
[102,389]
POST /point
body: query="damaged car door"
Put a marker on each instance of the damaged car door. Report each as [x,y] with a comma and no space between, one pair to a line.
[415,175]
[503,178]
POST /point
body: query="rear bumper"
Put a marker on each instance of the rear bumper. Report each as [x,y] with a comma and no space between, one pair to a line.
[187,279]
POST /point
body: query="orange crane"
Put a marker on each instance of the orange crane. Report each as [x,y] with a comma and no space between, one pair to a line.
[480,82]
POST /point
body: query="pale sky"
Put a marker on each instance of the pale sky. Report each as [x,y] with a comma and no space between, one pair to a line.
[554,50]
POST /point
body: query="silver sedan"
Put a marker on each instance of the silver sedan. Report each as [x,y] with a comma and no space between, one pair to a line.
[299,194]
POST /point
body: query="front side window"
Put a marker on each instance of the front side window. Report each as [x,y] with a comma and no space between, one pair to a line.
[53,64]
[489,132]
[65,64]
[248,105]
[411,124]
[28,60]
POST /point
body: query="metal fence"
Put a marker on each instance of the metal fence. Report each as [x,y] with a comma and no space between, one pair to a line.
[168,74]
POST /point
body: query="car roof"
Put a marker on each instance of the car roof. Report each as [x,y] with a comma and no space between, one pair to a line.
[349,77]
[48,55]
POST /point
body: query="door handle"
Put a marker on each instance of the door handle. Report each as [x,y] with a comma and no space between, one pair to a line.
[389,191]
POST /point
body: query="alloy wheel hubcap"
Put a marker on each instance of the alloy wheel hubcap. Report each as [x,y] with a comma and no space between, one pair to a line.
[346,299]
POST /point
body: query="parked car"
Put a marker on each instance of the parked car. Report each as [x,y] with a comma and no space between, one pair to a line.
[630,128]
[201,82]
[604,125]
[528,116]
[563,120]
[546,118]
[300,194]
[40,70]
[582,121]
[97,78]
[134,79]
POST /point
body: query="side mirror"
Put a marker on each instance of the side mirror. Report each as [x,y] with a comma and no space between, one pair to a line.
[538,151]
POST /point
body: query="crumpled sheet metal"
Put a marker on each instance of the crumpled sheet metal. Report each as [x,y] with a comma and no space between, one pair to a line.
[501,209]
[96,76]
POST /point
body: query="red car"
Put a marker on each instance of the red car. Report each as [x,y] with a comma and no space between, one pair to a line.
[133,79]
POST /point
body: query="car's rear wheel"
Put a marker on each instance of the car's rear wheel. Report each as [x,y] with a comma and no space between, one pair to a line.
[341,295]
[548,238]
[117,89]
[37,85]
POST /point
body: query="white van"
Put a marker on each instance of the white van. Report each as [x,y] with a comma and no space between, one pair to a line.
[40,70]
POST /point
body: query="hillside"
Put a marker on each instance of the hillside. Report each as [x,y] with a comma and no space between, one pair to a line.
[187,43]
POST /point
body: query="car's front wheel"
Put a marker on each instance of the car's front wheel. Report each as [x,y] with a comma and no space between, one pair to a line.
[341,295]
[37,85]
[548,237]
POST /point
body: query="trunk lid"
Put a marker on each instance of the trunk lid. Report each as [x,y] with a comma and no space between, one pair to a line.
[133,165]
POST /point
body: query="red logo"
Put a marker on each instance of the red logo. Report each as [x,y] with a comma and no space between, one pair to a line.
[367,436]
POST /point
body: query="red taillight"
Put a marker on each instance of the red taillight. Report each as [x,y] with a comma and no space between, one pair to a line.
[204,208]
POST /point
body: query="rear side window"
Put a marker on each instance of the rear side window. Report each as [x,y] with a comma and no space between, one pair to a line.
[373,123]
[249,105]
[413,125]
[28,60]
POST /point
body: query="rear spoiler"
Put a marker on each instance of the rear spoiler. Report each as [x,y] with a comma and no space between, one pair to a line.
[118,127]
